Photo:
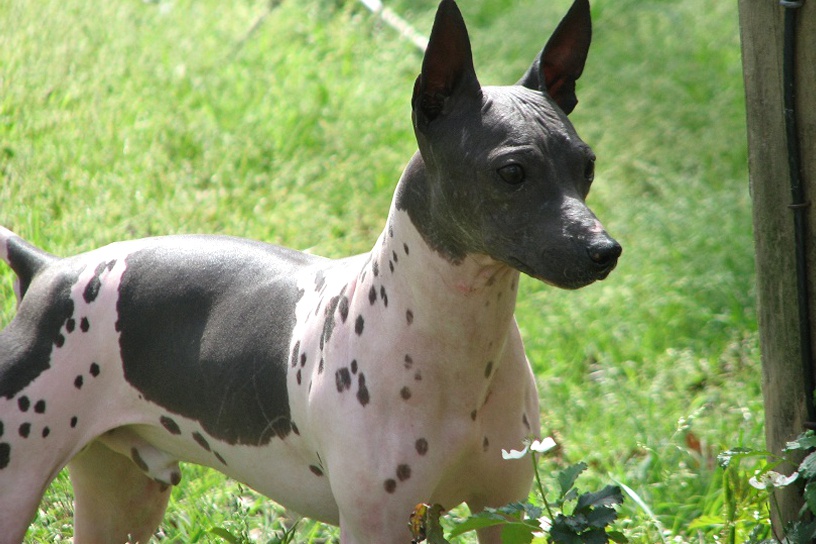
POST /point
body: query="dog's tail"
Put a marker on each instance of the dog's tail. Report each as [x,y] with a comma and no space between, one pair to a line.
[25,259]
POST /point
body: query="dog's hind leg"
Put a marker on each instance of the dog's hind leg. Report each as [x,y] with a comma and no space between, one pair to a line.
[114,500]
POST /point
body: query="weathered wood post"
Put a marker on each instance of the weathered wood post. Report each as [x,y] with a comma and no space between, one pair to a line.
[762,32]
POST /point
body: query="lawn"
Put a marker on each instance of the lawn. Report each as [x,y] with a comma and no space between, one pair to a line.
[127,119]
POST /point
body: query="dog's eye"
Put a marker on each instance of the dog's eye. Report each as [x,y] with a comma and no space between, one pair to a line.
[589,170]
[512,173]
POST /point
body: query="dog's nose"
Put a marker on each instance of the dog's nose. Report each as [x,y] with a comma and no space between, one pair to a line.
[605,253]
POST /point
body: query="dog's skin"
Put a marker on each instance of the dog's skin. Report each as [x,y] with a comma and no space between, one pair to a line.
[347,390]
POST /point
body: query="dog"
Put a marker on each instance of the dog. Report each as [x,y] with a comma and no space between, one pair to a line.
[348,390]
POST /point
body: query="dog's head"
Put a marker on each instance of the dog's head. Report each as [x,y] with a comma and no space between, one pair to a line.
[501,170]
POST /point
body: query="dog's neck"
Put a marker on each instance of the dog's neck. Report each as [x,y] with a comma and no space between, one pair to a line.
[462,307]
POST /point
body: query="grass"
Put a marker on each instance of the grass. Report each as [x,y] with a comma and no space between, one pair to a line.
[127,119]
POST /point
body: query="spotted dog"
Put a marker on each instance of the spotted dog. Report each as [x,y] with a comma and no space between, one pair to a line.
[348,390]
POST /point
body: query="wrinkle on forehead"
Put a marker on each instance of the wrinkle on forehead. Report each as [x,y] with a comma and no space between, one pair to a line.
[531,114]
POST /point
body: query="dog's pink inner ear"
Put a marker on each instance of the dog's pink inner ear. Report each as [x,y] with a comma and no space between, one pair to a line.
[448,64]
[562,60]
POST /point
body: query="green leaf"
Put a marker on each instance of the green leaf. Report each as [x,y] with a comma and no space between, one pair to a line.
[226,535]
[567,477]
[518,533]
[561,534]
[601,517]
[617,536]
[477,521]
[808,466]
[800,532]
[810,496]
[735,454]
[804,441]
[608,496]
[595,536]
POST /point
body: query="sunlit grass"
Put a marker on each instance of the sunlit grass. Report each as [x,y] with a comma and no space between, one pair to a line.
[122,120]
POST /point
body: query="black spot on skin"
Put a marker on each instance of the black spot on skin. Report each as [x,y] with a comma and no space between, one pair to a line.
[111,264]
[84,324]
[403,472]
[358,325]
[295,429]
[320,366]
[175,477]
[170,425]
[491,280]
[74,421]
[525,421]
[383,295]
[390,485]
[375,267]
[59,341]
[92,289]
[394,255]
[391,231]
[40,406]
[408,362]
[23,403]
[344,309]
[197,301]
[5,454]
[45,432]
[405,393]
[316,470]
[473,415]
[354,366]
[405,247]
[300,293]
[137,458]
[320,281]
[94,370]
[391,265]
[299,378]
[217,456]
[78,382]
[328,325]
[24,430]
[362,390]
[421,446]
[199,438]
[372,295]
[488,369]
[343,379]
[295,351]
[70,325]
[485,444]
[409,316]
[418,376]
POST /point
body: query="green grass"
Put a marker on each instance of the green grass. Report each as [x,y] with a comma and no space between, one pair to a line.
[127,119]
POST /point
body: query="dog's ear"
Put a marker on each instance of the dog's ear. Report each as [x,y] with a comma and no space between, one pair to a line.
[447,69]
[562,60]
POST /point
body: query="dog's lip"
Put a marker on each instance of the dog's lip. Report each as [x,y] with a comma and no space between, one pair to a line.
[577,283]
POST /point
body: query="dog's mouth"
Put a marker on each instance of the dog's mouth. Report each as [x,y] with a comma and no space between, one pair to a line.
[567,279]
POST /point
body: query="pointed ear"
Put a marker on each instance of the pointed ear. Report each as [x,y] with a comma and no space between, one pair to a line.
[562,60]
[447,68]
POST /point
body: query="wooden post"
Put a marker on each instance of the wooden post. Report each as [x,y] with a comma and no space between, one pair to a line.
[761,29]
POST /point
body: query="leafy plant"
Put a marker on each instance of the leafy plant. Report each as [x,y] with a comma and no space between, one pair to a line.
[571,517]
[765,479]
